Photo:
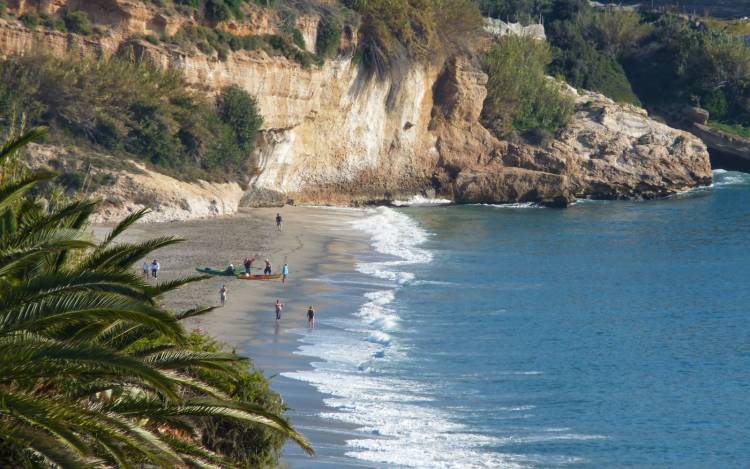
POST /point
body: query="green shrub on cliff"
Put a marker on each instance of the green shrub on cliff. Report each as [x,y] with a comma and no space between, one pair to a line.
[133,109]
[329,37]
[239,111]
[522,11]
[520,96]
[77,22]
[393,30]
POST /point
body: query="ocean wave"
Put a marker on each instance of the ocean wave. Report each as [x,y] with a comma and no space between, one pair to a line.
[723,177]
[420,201]
[398,423]
[404,432]
[378,337]
[395,234]
[513,205]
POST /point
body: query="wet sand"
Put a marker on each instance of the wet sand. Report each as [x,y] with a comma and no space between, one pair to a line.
[316,243]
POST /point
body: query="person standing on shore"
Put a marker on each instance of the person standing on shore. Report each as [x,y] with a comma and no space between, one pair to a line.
[249,265]
[146,268]
[279,307]
[310,317]
[284,273]
[223,294]
[267,270]
[279,221]
[155,266]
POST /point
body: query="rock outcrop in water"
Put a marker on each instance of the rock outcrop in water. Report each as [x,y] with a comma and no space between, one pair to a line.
[333,135]
[608,151]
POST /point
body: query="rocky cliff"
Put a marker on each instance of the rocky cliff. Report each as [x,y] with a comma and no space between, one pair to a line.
[334,135]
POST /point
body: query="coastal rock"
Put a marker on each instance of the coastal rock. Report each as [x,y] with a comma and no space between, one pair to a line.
[607,151]
[168,198]
[131,186]
[732,146]
[615,151]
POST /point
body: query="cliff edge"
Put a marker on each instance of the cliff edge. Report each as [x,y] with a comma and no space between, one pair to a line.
[334,134]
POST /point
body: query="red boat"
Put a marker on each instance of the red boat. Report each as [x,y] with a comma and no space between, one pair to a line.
[258,277]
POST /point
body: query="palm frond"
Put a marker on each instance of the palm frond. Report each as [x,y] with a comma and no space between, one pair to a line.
[123,225]
[15,144]
[191,313]
[123,256]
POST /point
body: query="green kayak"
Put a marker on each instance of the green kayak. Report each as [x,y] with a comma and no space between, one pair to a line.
[210,271]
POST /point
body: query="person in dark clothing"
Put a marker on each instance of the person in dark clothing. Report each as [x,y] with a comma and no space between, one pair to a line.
[311,317]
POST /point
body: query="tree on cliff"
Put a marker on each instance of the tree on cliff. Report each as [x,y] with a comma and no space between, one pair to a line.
[94,372]
[520,96]
[240,111]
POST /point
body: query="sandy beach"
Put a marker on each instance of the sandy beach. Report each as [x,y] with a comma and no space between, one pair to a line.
[316,243]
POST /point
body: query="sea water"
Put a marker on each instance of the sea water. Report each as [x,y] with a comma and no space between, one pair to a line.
[608,334]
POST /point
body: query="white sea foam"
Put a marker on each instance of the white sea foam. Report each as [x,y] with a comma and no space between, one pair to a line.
[514,205]
[400,426]
[421,201]
[730,178]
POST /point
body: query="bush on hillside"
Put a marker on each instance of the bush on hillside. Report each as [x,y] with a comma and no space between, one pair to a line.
[618,31]
[240,112]
[217,10]
[392,30]
[30,19]
[328,40]
[189,3]
[687,63]
[520,96]
[77,22]
[134,108]
[574,38]
[246,445]
[522,11]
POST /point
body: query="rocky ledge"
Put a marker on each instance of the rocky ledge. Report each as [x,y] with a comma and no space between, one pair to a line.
[607,151]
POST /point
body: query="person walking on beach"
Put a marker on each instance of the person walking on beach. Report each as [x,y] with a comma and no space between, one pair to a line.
[310,317]
[248,265]
[284,273]
[279,307]
[279,221]
[155,266]
[223,294]
[146,268]
[267,270]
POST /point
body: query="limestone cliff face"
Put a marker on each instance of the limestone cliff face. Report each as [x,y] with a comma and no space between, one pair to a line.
[332,135]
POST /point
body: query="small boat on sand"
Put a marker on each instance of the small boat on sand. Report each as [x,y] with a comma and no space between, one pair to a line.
[210,271]
[241,276]
[258,277]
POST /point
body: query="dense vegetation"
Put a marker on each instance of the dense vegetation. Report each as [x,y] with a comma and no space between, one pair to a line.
[94,371]
[393,30]
[662,60]
[135,110]
[520,96]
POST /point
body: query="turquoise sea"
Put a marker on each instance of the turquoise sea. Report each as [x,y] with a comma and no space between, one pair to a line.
[608,334]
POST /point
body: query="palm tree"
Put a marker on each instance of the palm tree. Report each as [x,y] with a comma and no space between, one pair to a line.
[93,372]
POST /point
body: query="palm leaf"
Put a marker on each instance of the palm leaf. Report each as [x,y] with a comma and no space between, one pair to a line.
[124,224]
[15,144]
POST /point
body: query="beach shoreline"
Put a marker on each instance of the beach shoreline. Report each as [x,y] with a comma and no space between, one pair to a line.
[316,242]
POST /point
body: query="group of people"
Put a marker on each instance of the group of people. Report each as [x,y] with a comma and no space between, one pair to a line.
[279,307]
[310,313]
[267,270]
